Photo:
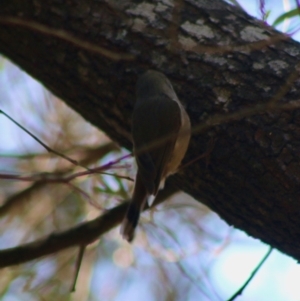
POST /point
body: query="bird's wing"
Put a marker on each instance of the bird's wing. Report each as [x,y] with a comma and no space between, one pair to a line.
[156,123]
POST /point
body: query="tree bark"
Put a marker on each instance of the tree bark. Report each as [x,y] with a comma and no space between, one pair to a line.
[237,77]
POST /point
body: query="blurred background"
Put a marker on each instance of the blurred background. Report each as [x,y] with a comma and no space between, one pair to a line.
[182,250]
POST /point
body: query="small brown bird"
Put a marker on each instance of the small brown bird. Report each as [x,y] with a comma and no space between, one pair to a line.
[161,133]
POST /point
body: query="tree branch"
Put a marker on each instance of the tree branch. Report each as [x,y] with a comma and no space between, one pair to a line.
[224,65]
[80,235]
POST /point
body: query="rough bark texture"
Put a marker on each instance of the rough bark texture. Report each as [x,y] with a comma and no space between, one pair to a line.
[219,59]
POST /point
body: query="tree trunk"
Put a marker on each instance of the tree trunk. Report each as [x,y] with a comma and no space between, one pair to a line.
[237,77]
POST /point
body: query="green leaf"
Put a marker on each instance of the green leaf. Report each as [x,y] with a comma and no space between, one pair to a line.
[267,15]
[290,14]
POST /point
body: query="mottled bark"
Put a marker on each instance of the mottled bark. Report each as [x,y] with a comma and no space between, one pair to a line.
[237,77]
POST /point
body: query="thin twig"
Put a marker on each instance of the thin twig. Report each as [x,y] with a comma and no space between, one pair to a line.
[61,178]
[21,197]
[82,234]
[240,291]
[77,267]
[49,149]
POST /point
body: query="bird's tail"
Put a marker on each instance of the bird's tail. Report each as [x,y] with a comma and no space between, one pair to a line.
[137,204]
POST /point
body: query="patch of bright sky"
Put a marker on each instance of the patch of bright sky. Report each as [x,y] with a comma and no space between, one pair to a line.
[20,97]
[276,280]
[13,297]
[44,269]
[16,290]
[276,8]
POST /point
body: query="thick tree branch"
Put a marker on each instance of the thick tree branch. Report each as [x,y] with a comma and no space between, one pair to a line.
[220,61]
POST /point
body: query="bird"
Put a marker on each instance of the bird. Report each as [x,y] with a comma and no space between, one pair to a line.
[161,131]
